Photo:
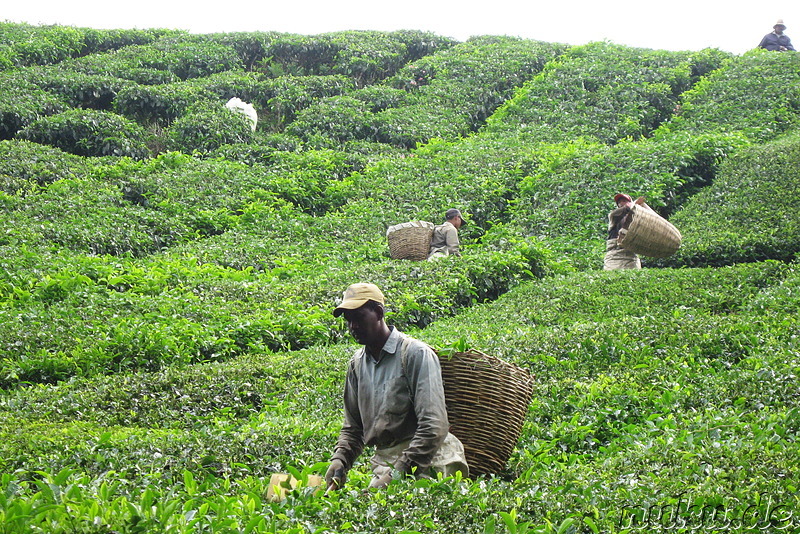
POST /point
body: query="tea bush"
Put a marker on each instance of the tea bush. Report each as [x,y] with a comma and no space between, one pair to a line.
[29,45]
[260,151]
[252,47]
[282,98]
[162,103]
[742,219]
[339,119]
[190,59]
[755,94]
[22,103]
[381,97]
[180,58]
[114,226]
[40,45]
[415,124]
[477,76]
[100,41]
[89,133]
[206,128]
[249,86]
[77,89]
[25,164]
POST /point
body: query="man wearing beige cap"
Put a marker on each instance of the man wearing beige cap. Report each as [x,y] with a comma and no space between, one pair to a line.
[393,400]
[444,241]
[776,40]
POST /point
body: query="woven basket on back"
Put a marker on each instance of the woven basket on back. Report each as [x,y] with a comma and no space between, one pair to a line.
[487,401]
[651,235]
[410,240]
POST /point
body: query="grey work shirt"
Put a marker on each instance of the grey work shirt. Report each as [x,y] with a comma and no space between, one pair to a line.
[445,239]
[384,406]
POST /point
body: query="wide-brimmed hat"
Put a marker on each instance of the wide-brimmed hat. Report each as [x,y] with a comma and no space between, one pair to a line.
[622,196]
[356,295]
[780,23]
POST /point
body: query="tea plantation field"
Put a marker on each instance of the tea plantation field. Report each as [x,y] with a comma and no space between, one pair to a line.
[167,276]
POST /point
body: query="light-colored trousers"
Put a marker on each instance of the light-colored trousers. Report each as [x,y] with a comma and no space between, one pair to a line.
[619,258]
[448,459]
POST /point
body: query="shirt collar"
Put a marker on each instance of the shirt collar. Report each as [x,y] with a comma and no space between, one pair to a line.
[390,346]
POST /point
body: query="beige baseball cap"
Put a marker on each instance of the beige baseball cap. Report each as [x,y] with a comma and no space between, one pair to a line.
[356,295]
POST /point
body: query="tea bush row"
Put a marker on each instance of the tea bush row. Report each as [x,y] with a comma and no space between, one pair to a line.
[180,58]
[450,93]
[609,302]
[22,103]
[89,133]
[749,213]
[24,44]
[94,91]
[132,208]
[575,97]
[177,313]
[756,94]
[25,166]
[364,56]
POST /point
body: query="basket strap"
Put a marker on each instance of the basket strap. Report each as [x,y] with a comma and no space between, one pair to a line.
[403,358]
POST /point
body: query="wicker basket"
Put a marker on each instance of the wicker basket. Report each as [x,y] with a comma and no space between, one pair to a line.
[651,235]
[410,240]
[487,401]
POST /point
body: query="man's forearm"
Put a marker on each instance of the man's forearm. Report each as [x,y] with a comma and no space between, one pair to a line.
[348,448]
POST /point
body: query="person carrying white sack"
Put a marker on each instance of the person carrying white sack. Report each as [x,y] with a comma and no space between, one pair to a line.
[236,105]
[393,400]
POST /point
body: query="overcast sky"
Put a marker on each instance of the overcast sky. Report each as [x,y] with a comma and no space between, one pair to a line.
[732,25]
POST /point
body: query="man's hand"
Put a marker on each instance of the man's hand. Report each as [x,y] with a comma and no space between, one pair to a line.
[380,482]
[336,475]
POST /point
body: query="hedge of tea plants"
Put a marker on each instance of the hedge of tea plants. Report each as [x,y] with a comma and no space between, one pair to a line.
[448,95]
[604,91]
[25,44]
[651,387]
[748,214]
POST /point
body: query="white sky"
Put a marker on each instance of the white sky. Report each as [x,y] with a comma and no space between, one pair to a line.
[732,25]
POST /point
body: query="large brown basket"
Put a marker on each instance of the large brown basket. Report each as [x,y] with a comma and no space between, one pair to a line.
[487,401]
[410,240]
[649,234]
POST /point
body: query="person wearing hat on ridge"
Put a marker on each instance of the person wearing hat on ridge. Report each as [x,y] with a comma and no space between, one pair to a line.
[393,399]
[776,40]
[618,220]
[445,236]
